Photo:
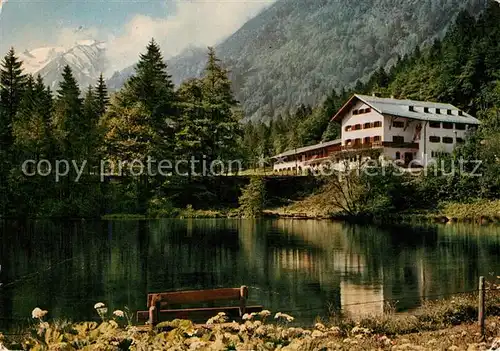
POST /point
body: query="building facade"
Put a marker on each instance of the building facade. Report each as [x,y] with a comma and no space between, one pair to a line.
[413,133]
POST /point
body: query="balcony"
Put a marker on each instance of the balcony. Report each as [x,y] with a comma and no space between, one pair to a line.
[400,145]
[379,144]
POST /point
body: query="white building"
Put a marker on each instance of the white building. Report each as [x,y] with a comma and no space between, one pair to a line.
[413,132]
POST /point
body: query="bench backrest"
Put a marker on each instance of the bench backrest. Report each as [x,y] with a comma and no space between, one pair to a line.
[197,296]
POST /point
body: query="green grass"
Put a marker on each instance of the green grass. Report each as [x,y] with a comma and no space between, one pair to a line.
[482,209]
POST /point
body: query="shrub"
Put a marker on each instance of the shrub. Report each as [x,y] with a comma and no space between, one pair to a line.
[253,197]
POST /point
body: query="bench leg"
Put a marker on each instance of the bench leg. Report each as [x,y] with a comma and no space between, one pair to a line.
[243,299]
[154,311]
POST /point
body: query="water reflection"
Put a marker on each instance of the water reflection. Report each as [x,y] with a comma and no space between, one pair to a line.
[307,268]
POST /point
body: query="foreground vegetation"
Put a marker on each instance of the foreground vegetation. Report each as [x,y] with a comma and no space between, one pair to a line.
[437,325]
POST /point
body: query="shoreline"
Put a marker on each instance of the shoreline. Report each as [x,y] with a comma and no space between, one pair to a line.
[449,324]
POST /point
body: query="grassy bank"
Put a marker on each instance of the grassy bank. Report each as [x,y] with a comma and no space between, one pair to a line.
[319,206]
[479,211]
[442,325]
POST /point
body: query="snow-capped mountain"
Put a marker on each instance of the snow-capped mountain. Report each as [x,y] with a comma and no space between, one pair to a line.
[87,59]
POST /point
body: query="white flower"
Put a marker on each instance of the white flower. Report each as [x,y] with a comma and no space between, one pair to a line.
[220,318]
[119,313]
[320,326]
[284,316]
[264,313]
[249,316]
[99,305]
[38,313]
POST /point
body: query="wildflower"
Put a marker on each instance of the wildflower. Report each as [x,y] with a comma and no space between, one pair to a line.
[320,326]
[285,316]
[119,313]
[264,313]
[247,316]
[38,313]
[220,318]
[317,334]
[260,331]
[99,305]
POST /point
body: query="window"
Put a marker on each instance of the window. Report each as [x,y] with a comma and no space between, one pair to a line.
[435,124]
[367,125]
[460,126]
[377,124]
[398,124]
[355,112]
[426,109]
[398,155]
[398,139]
[438,111]
[447,140]
[376,138]
[348,142]
[438,153]
[348,128]
[367,140]
[357,141]
[434,139]
[460,141]
[447,125]
[357,127]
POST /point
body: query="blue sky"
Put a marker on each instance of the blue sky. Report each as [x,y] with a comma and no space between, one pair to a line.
[126,25]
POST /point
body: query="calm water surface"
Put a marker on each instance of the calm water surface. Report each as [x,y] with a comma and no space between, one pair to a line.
[306,268]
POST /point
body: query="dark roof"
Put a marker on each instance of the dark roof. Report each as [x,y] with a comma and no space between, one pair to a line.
[308,148]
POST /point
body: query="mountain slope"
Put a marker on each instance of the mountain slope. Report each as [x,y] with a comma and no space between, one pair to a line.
[86,58]
[297,50]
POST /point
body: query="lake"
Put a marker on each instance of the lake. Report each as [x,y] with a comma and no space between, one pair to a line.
[306,268]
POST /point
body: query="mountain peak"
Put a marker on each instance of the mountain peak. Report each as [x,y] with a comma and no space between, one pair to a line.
[86,58]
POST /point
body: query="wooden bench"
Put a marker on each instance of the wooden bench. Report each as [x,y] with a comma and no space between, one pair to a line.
[160,305]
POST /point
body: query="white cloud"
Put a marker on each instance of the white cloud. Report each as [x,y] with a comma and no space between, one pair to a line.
[67,37]
[2,3]
[195,23]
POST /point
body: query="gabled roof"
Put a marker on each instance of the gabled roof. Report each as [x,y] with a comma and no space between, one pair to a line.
[401,108]
[308,148]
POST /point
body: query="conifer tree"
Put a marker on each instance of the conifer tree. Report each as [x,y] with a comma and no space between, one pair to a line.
[68,115]
[101,96]
[90,119]
[223,119]
[192,134]
[12,82]
[152,87]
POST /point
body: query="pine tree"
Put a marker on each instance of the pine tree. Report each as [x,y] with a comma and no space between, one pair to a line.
[193,133]
[101,96]
[152,87]
[68,115]
[224,118]
[12,82]
[90,119]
